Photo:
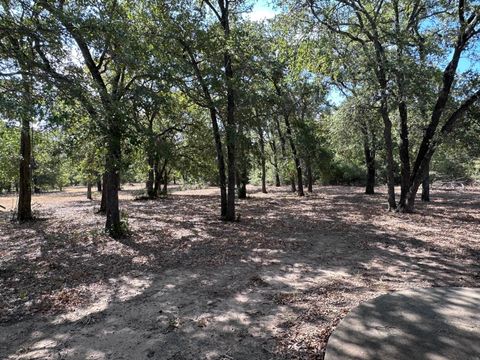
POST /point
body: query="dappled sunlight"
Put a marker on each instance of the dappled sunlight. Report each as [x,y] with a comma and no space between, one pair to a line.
[275,284]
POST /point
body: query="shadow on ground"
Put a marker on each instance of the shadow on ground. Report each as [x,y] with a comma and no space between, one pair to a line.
[438,323]
[185,285]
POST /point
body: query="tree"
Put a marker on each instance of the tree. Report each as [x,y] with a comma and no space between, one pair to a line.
[362,22]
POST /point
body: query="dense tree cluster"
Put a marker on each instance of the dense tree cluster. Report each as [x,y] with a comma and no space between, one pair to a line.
[328,91]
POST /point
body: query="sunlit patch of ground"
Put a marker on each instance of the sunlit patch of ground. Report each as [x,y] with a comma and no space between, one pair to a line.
[185,285]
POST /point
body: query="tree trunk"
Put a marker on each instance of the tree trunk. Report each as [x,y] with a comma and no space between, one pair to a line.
[387,134]
[230,137]
[222,180]
[295,157]
[277,178]
[151,178]
[293,184]
[404,155]
[273,145]
[25,179]
[263,161]
[370,187]
[264,177]
[99,185]
[370,163]
[404,147]
[426,188]
[157,178]
[113,223]
[243,180]
[103,201]
[165,183]
[309,178]
[89,190]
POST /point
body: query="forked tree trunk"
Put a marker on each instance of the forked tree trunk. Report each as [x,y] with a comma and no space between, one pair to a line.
[25,179]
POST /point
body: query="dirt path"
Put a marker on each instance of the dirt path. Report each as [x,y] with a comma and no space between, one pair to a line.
[184,285]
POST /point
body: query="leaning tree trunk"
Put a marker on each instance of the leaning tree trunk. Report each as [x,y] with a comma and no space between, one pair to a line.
[25,179]
[222,180]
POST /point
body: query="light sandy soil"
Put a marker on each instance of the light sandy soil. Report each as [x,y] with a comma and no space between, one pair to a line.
[184,285]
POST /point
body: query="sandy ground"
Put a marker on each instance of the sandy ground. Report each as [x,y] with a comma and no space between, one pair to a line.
[184,285]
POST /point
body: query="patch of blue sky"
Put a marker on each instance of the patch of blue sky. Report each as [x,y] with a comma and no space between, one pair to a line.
[262,10]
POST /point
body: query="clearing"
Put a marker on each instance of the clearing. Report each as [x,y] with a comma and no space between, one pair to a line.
[185,285]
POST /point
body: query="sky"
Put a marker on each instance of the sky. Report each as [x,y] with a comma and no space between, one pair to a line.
[261,11]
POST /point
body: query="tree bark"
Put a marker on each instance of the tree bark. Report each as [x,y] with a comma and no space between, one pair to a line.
[113,224]
[273,145]
[151,177]
[165,183]
[404,146]
[103,201]
[230,121]
[387,135]
[222,180]
[309,178]
[426,187]
[89,190]
[263,160]
[293,184]
[25,179]
[370,164]
[296,159]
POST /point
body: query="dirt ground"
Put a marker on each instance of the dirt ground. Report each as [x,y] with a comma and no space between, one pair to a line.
[184,285]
